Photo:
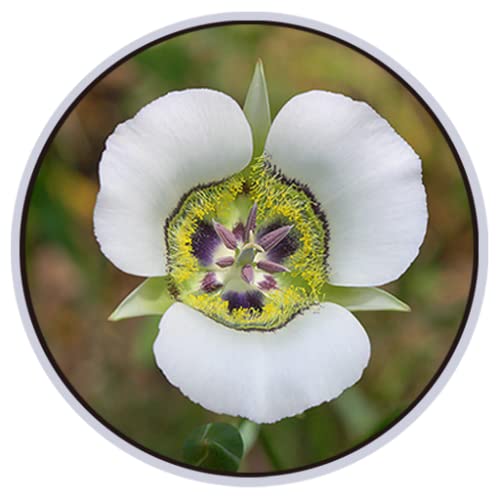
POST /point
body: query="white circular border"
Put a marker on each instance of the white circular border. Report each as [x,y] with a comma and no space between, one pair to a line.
[286,477]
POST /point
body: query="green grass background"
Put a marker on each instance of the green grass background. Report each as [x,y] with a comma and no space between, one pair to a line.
[74,288]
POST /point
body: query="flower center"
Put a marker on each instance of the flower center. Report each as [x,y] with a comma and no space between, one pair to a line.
[249,251]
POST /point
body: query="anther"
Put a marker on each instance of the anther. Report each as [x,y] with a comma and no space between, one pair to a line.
[271,239]
[271,267]
[209,283]
[247,273]
[239,231]
[268,283]
[225,261]
[227,237]
[251,222]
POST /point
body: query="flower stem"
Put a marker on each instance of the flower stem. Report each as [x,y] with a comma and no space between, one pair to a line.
[249,432]
[268,449]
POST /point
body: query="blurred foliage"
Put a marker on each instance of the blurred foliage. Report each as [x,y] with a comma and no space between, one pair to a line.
[216,446]
[74,288]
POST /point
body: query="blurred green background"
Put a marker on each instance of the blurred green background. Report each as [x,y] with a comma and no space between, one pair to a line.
[74,288]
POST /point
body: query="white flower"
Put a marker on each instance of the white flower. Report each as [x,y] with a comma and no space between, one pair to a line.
[248,334]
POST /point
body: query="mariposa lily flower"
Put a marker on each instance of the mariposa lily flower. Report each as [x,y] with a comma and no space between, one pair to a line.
[260,240]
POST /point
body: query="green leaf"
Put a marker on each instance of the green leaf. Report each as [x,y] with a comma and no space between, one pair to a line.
[363,298]
[257,108]
[215,446]
[149,298]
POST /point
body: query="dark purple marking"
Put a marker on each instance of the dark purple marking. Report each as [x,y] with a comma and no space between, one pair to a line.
[246,300]
[204,243]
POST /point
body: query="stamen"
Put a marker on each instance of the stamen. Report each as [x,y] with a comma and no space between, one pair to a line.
[271,267]
[225,261]
[209,283]
[271,239]
[227,237]
[268,283]
[247,273]
[239,231]
[251,222]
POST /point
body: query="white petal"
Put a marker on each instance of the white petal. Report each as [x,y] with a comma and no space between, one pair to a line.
[173,144]
[366,177]
[262,376]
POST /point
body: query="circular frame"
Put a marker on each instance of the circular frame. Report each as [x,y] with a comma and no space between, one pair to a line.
[433,387]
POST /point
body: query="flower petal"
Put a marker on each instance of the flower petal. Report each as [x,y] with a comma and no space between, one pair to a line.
[173,144]
[366,177]
[262,376]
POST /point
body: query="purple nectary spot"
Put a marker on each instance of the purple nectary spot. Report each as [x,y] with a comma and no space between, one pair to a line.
[286,247]
[245,300]
[204,243]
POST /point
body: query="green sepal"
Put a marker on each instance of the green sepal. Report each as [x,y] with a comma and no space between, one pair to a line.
[362,298]
[257,108]
[216,446]
[151,297]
